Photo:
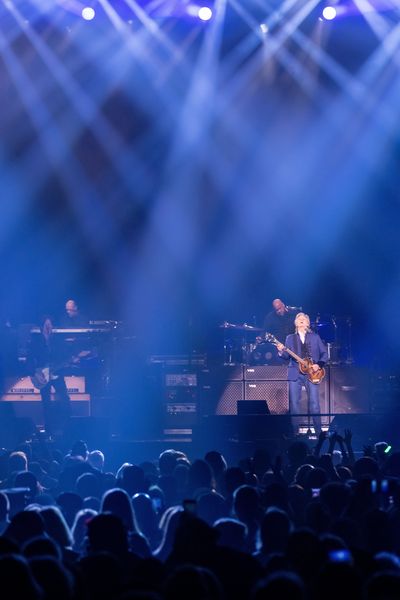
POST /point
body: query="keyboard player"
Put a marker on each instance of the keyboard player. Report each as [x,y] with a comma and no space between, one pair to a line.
[73,318]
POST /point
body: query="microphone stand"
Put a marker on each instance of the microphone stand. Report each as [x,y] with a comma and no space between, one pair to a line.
[349,359]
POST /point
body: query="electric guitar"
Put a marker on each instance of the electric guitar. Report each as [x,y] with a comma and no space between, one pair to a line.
[305,364]
[41,377]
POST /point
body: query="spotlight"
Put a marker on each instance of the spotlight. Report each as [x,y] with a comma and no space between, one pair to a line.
[88,13]
[329,13]
[205,13]
[264,28]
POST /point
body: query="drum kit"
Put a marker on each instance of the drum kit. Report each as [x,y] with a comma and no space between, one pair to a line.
[246,344]
[336,333]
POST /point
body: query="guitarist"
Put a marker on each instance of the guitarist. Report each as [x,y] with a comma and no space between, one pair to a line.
[43,359]
[307,345]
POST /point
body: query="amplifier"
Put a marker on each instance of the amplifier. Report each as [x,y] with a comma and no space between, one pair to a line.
[180,414]
[178,359]
[181,395]
[181,379]
[230,394]
[266,373]
[75,385]
[37,398]
[275,393]
[181,408]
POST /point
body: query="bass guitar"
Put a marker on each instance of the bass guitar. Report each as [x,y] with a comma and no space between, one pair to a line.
[41,377]
[305,364]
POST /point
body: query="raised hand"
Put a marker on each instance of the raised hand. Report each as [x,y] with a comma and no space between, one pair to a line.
[348,436]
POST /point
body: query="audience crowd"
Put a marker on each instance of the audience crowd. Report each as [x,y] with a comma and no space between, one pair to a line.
[315,522]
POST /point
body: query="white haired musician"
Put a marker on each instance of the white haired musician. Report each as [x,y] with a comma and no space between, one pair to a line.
[307,355]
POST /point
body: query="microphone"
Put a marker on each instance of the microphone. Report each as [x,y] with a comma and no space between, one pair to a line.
[294,308]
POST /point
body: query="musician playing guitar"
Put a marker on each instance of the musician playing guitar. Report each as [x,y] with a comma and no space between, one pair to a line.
[306,372]
[45,367]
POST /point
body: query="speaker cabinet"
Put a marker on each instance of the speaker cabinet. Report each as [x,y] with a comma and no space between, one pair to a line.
[76,384]
[274,392]
[349,390]
[266,373]
[231,393]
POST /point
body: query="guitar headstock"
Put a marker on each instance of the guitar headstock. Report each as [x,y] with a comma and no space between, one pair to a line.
[271,338]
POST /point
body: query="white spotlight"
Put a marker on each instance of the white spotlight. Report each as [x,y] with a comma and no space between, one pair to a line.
[205,13]
[264,28]
[88,13]
[329,13]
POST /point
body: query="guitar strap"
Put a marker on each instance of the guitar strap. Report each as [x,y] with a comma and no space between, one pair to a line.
[308,347]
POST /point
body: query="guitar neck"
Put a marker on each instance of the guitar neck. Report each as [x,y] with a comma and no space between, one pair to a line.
[295,356]
[271,338]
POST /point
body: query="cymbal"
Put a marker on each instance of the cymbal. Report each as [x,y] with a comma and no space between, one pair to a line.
[241,327]
[246,327]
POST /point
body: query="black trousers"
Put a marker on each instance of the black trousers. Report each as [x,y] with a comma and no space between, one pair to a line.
[56,412]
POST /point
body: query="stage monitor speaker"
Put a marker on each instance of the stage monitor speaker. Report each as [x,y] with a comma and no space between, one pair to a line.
[274,392]
[349,390]
[252,407]
[232,392]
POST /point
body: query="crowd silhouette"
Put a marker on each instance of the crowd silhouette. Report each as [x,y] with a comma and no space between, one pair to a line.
[314,522]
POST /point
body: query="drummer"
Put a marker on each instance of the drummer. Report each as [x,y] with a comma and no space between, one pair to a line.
[279,321]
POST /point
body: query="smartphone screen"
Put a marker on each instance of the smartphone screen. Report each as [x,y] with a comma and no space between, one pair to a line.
[340,556]
[156,502]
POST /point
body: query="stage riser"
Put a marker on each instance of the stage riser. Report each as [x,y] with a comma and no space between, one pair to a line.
[33,409]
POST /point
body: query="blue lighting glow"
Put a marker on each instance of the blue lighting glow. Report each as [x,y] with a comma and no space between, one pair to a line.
[205,13]
[88,13]
[329,13]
